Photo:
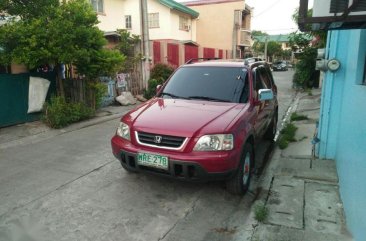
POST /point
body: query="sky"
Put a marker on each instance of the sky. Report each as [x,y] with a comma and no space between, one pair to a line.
[272,16]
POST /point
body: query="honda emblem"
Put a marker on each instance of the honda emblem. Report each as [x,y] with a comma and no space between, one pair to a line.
[158,139]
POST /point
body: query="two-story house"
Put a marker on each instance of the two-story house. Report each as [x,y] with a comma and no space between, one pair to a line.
[224,24]
[167,19]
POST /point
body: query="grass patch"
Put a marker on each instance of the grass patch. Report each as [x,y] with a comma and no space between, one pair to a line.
[310,93]
[287,135]
[260,212]
[297,117]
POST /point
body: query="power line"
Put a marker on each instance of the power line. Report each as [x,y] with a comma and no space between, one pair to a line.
[279,29]
[274,4]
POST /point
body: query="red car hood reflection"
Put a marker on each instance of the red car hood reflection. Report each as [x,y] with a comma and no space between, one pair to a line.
[183,117]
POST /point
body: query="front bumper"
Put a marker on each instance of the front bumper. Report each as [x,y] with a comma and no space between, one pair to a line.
[187,166]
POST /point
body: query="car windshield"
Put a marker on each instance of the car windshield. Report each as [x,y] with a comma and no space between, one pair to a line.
[279,62]
[224,84]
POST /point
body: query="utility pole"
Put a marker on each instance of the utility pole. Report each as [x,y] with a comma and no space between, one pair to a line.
[145,42]
[265,48]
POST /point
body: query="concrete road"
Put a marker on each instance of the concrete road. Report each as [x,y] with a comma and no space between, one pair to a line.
[283,80]
[70,187]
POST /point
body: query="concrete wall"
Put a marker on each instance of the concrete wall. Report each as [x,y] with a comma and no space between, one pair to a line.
[342,129]
[132,7]
[216,23]
[182,34]
[113,17]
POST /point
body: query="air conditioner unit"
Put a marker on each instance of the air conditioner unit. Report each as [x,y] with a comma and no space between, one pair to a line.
[331,8]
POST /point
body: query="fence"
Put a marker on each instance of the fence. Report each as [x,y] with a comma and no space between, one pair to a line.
[176,53]
[14,90]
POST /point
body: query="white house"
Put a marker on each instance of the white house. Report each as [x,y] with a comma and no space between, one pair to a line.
[168,20]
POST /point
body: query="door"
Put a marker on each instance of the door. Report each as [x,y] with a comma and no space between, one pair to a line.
[264,108]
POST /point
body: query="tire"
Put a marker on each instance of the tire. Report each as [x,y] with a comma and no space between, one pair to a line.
[239,183]
[272,128]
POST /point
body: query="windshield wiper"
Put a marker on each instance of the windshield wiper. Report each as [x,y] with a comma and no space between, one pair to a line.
[172,95]
[207,98]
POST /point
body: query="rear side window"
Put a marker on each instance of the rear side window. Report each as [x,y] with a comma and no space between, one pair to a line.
[222,83]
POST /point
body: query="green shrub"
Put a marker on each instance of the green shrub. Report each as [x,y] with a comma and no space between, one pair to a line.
[305,69]
[260,212]
[58,113]
[161,71]
[297,117]
[159,74]
[287,135]
[99,91]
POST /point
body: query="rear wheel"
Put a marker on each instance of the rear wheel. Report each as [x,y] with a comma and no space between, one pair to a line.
[239,183]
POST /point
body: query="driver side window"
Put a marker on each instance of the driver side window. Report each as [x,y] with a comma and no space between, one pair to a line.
[259,81]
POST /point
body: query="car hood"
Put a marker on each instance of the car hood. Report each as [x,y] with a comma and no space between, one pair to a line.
[183,117]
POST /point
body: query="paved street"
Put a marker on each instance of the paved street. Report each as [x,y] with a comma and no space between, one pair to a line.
[70,187]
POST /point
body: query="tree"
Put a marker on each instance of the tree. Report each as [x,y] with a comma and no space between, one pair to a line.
[28,9]
[273,48]
[305,74]
[49,32]
[127,46]
[259,33]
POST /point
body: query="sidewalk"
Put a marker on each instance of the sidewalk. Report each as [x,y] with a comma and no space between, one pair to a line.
[32,132]
[300,191]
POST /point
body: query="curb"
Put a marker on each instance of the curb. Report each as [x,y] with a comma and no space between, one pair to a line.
[56,132]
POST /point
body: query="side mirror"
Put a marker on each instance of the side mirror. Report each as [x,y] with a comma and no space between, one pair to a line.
[265,94]
[158,87]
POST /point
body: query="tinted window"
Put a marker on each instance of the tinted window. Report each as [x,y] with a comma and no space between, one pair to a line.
[222,83]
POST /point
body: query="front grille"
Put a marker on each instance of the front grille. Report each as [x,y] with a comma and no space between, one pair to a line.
[174,142]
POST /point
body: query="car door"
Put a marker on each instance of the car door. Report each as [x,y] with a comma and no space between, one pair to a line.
[262,111]
[269,105]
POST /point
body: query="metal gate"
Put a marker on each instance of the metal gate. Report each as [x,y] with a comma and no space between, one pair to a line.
[157,55]
[209,53]
[14,90]
[191,52]
[173,54]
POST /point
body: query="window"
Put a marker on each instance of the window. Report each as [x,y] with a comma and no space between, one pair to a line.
[128,22]
[261,80]
[153,20]
[225,84]
[98,5]
[183,23]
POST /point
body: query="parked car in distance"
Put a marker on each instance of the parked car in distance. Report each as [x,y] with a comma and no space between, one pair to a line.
[204,123]
[280,66]
[253,59]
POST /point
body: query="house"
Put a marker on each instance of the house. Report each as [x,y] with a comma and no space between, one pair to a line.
[223,24]
[167,19]
[342,130]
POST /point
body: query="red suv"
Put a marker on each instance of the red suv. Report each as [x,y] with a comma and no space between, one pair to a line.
[204,123]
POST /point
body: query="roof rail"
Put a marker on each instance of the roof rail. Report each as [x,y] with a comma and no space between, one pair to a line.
[196,59]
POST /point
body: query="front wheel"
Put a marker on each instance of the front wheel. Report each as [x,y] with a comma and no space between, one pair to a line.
[239,183]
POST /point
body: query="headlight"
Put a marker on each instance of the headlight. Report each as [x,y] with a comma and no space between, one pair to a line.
[123,131]
[221,142]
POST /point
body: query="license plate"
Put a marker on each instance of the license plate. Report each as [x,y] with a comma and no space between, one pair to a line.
[152,160]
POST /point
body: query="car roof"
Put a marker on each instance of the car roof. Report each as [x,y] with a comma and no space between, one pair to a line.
[224,63]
